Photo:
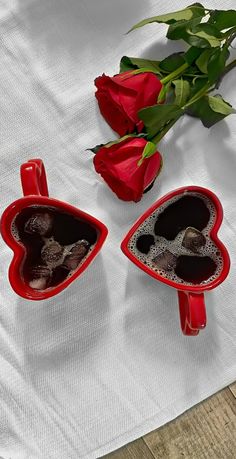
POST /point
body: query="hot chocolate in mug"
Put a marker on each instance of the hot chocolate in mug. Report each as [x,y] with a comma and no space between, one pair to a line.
[52,241]
[175,241]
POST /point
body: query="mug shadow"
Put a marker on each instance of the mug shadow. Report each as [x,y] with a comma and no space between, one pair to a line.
[122,213]
[220,159]
[152,330]
[159,50]
[187,124]
[68,327]
[215,161]
[153,308]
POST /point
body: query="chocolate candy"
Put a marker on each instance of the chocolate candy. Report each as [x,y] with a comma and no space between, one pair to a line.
[40,276]
[77,253]
[193,239]
[39,223]
[52,253]
[165,261]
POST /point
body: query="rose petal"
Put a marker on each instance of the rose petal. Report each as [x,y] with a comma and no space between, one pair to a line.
[118,165]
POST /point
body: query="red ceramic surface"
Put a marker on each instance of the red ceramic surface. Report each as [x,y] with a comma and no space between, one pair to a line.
[191,297]
[35,191]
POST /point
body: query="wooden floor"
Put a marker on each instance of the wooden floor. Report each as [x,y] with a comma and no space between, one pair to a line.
[207,431]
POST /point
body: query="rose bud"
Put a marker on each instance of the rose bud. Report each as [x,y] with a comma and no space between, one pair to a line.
[125,169]
[121,97]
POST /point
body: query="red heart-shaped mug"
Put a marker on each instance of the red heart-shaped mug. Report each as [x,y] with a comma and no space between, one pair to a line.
[175,241]
[32,227]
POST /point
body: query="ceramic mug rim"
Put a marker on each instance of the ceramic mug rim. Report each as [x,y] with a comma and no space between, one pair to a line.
[19,252]
[212,234]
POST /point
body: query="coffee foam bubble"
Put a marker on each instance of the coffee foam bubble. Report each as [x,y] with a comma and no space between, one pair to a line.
[14,232]
[175,246]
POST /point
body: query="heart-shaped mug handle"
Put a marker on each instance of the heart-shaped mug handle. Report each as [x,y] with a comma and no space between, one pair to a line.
[192,312]
[33,178]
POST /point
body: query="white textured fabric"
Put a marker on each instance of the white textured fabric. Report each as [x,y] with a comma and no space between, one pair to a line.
[105,361]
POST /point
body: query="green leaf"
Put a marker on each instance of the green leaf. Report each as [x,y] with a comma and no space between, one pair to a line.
[209,29]
[182,91]
[198,42]
[114,142]
[149,150]
[216,63]
[203,59]
[132,63]
[219,105]
[157,116]
[197,86]
[178,30]
[172,62]
[198,35]
[169,18]
[192,54]
[203,109]
[199,5]
[223,19]
[229,33]
[201,77]
[192,71]
[202,39]
[126,64]
[96,148]
[163,92]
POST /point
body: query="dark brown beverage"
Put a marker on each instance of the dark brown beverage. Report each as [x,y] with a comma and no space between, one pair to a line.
[56,244]
[174,240]
[195,269]
[188,211]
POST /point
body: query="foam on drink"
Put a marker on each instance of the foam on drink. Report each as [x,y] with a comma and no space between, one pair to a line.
[175,246]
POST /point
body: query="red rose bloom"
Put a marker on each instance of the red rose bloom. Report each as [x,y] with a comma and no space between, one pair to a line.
[118,165]
[122,96]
